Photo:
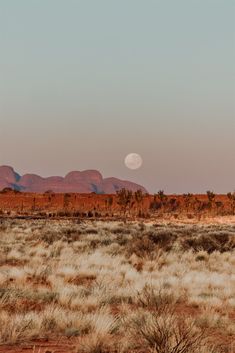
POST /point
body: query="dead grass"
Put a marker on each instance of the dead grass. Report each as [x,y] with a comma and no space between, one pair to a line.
[134,287]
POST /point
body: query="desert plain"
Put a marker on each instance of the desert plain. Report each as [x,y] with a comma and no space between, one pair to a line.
[102,275]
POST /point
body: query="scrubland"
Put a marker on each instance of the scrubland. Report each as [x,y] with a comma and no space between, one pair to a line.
[117,287]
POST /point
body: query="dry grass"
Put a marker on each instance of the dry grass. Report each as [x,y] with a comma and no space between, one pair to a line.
[160,288]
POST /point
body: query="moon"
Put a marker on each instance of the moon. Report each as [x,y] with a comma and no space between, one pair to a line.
[133,161]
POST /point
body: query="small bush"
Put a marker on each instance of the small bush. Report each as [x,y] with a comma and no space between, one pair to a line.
[209,242]
[166,333]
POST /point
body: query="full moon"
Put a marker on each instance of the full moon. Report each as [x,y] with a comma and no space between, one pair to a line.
[133,161]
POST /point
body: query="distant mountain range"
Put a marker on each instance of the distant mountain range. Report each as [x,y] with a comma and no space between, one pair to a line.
[82,182]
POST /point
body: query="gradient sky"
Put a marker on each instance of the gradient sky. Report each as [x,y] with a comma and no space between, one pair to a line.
[83,83]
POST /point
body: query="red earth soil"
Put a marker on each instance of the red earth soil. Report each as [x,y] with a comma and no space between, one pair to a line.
[34,203]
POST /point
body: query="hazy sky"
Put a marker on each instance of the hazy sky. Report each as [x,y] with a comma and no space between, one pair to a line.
[85,82]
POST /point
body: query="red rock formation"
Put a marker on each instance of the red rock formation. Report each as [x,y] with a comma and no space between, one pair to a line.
[81,182]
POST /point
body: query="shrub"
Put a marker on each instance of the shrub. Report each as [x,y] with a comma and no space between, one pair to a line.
[160,301]
[209,242]
[166,333]
[163,238]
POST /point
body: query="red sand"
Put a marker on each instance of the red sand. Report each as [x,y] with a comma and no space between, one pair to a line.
[32,203]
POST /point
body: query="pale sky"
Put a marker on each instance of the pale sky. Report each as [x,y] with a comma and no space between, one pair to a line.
[83,83]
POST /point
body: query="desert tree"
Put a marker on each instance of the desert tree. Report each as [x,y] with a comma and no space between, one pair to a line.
[173,204]
[219,207]
[211,198]
[125,199]
[109,203]
[139,197]
[155,204]
[162,198]
[231,197]
[187,200]
[161,195]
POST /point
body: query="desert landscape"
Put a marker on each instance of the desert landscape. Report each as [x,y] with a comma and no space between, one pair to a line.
[123,272]
[117,176]
[124,204]
[114,286]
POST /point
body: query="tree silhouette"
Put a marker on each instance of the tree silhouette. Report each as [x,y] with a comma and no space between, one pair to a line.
[163,198]
[109,203]
[231,197]
[161,195]
[187,200]
[124,199]
[211,198]
[139,196]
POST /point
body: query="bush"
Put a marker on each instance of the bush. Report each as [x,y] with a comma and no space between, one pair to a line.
[209,242]
[163,238]
[165,333]
[160,301]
